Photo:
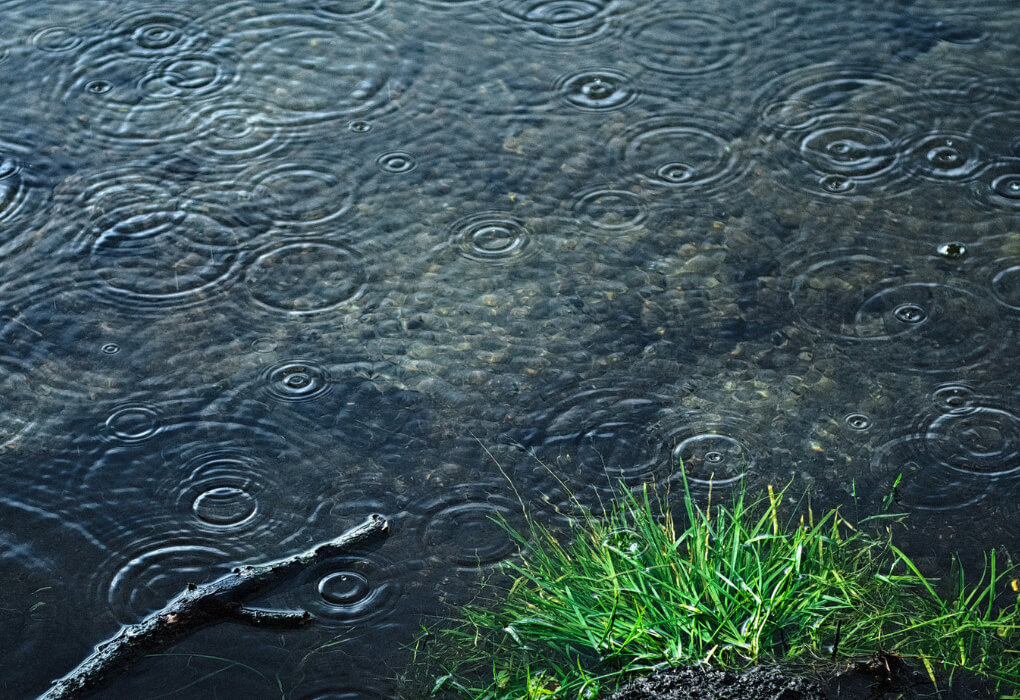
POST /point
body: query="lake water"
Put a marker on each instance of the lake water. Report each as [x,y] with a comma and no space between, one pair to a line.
[268,267]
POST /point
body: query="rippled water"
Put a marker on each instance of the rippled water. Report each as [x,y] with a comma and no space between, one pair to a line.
[269,267]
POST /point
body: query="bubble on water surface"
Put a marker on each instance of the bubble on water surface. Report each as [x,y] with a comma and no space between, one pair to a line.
[305,278]
[610,209]
[492,237]
[686,43]
[953,250]
[597,89]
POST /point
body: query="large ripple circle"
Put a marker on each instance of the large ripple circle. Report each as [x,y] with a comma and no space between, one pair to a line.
[926,482]
[686,43]
[1005,284]
[163,270]
[462,527]
[301,196]
[796,99]
[305,278]
[983,441]
[365,70]
[561,21]
[150,572]
[843,156]
[865,298]
[682,151]
[223,491]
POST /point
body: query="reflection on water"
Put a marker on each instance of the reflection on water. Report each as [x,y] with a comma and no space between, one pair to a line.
[270,267]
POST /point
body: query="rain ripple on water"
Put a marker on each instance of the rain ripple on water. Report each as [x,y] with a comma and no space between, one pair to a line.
[859,297]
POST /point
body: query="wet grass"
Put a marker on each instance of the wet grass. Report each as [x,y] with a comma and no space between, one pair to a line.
[632,591]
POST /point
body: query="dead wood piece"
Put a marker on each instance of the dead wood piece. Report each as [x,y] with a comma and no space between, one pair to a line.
[200,605]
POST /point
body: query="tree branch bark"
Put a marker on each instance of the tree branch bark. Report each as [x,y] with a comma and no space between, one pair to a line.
[201,605]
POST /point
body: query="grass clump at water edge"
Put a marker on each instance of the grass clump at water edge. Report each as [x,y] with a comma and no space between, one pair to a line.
[630,593]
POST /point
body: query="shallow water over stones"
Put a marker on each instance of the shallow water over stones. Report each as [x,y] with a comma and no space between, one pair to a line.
[267,268]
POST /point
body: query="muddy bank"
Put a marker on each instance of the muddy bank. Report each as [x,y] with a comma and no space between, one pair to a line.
[770,683]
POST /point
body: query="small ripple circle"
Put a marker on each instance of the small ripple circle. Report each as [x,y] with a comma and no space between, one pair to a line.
[396,162]
[947,157]
[492,237]
[686,43]
[297,380]
[133,423]
[597,89]
[610,209]
[857,421]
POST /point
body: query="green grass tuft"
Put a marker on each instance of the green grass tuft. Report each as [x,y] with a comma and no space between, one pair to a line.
[630,592]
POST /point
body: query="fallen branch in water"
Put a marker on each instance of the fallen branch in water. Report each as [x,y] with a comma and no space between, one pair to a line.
[200,605]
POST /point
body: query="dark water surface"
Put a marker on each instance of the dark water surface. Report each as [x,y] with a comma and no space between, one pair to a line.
[267,267]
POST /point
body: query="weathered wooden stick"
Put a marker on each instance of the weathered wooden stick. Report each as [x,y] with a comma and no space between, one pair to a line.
[200,605]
